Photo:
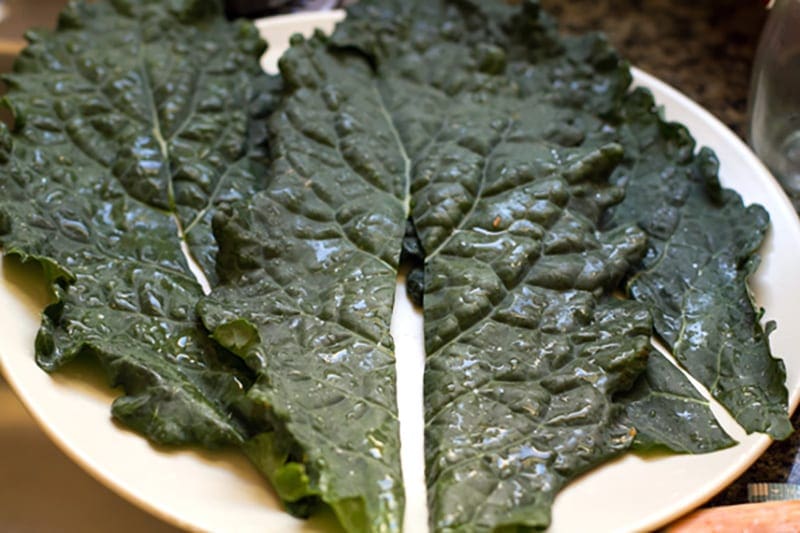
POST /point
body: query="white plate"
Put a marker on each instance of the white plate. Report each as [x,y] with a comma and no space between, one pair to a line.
[221,492]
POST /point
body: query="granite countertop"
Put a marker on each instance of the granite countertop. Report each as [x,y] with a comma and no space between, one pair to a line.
[704,49]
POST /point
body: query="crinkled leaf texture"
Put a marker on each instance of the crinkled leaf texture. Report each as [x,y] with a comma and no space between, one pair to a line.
[525,351]
[132,120]
[309,267]
[568,72]
[703,246]
[523,355]
[675,196]
[122,151]
[669,413]
[584,73]
[475,213]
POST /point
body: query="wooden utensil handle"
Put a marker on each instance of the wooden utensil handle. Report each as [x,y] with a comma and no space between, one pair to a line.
[767,517]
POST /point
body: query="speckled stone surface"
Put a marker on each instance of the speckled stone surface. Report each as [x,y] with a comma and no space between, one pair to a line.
[704,49]
[779,464]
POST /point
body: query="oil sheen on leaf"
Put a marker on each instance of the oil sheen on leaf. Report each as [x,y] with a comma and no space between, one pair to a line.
[309,268]
[701,237]
[581,73]
[504,143]
[132,121]
[702,250]
[524,352]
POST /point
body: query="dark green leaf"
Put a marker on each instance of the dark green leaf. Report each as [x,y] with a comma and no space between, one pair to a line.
[579,73]
[700,219]
[702,250]
[309,268]
[132,120]
[136,119]
[669,413]
[524,354]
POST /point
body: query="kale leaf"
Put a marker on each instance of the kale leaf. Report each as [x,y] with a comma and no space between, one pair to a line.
[524,357]
[669,413]
[297,277]
[517,328]
[731,354]
[702,250]
[506,161]
[523,44]
[131,122]
[308,268]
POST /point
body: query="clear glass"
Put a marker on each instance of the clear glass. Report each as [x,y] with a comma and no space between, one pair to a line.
[774,109]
